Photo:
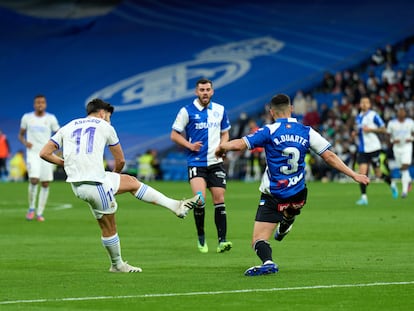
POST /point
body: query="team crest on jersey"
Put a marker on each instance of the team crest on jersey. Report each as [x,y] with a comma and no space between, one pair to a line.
[288,126]
[197,116]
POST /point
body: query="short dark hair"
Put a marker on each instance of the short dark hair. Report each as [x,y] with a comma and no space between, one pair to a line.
[39,96]
[97,104]
[280,100]
[204,81]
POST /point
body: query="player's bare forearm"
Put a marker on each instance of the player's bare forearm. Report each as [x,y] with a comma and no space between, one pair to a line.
[232,145]
[334,161]
[182,141]
[118,155]
[225,136]
[47,154]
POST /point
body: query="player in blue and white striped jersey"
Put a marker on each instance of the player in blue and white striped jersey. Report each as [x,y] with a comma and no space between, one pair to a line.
[368,125]
[283,188]
[206,125]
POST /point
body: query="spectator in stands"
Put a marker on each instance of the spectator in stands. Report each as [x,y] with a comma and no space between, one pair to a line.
[408,83]
[339,83]
[255,161]
[18,169]
[388,75]
[299,105]
[378,58]
[241,125]
[312,117]
[145,170]
[389,55]
[372,82]
[328,82]
[368,125]
[4,155]
[325,111]
[206,125]
[156,165]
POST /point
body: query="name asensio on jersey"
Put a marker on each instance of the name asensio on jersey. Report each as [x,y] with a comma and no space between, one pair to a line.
[87,121]
[290,138]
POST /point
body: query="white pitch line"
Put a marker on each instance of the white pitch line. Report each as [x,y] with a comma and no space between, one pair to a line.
[224,292]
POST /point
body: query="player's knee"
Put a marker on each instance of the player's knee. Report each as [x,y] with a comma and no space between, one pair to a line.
[257,244]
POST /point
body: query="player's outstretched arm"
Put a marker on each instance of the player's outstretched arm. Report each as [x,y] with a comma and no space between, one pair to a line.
[232,145]
[333,160]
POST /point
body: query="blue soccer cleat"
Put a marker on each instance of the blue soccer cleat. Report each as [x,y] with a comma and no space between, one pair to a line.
[267,268]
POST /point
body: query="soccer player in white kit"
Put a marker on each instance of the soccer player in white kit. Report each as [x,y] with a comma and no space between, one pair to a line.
[83,142]
[401,131]
[36,128]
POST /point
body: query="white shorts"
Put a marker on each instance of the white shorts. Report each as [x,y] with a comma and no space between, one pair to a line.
[39,168]
[99,196]
[403,155]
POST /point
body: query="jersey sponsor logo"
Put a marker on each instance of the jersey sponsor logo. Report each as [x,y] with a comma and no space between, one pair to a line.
[206,125]
[295,179]
[291,181]
[224,64]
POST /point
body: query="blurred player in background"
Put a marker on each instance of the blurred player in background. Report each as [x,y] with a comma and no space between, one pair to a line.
[368,125]
[83,142]
[401,131]
[283,189]
[4,155]
[205,124]
[36,128]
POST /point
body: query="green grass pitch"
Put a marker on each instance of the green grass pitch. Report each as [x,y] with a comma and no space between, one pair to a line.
[338,256]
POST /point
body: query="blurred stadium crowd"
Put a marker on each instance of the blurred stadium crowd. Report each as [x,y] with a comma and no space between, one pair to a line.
[387,78]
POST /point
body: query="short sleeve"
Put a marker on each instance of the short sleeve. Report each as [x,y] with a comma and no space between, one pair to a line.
[181,120]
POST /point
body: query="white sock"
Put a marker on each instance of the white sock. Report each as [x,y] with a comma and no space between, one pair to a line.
[32,195]
[43,195]
[113,247]
[150,195]
[405,180]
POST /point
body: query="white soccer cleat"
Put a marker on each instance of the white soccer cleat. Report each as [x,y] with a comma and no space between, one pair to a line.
[188,204]
[125,268]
